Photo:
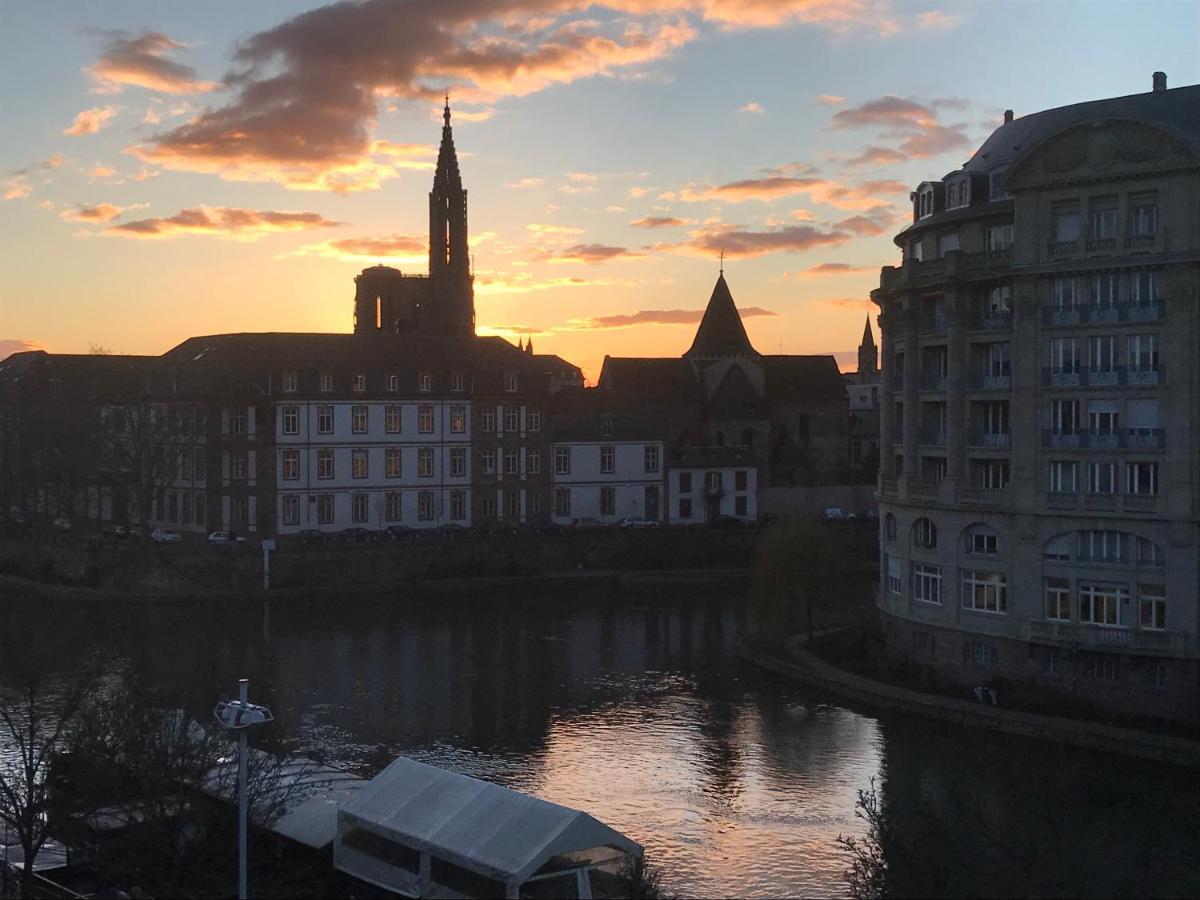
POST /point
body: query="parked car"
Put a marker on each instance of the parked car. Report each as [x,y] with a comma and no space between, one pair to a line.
[225,537]
[357,533]
[870,515]
[586,522]
[725,522]
[397,532]
[311,535]
[636,524]
[135,532]
[62,524]
[836,514]
[163,536]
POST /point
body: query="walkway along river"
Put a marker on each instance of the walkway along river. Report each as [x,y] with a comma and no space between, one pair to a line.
[631,703]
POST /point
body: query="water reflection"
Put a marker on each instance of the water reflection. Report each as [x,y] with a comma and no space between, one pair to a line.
[632,704]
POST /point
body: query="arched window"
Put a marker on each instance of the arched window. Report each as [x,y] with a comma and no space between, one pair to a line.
[981,540]
[924,534]
[889,527]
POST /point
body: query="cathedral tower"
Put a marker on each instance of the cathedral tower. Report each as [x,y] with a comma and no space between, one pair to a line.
[868,354]
[451,306]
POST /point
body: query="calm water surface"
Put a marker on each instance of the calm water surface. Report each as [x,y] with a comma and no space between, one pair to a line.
[630,703]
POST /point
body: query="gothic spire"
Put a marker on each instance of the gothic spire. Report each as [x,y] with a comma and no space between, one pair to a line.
[868,337]
[447,176]
[721,332]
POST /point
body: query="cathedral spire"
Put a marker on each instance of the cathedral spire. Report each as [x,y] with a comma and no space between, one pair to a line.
[868,354]
[451,307]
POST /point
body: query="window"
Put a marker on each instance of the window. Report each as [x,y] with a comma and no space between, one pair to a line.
[1141,478]
[425,419]
[562,501]
[947,243]
[425,506]
[325,509]
[488,507]
[393,506]
[487,420]
[359,384]
[685,507]
[359,508]
[1103,220]
[291,509]
[458,462]
[894,581]
[290,465]
[713,482]
[1103,604]
[1150,554]
[998,360]
[458,419]
[958,193]
[562,460]
[391,462]
[393,383]
[487,460]
[324,464]
[511,461]
[607,457]
[1103,418]
[1058,599]
[1064,356]
[996,185]
[1102,477]
[999,300]
[685,482]
[994,417]
[1104,292]
[358,419]
[325,381]
[889,527]
[608,501]
[510,382]
[1063,293]
[1064,476]
[391,418]
[290,383]
[741,480]
[740,506]
[458,504]
[1156,676]
[291,420]
[512,419]
[927,583]
[982,541]
[1152,607]
[1066,226]
[237,420]
[998,237]
[925,533]
[1143,219]
[533,420]
[993,473]
[456,384]
[199,466]
[1103,546]
[239,466]
[651,458]
[1143,288]
[1142,352]
[1100,666]
[358,464]
[425,462]
[1102,353]
[324,420]
[979,653]
[512,505]
[533,462]
[984,591]
[606,426]
[924,202]
[424,382]
[1064,416]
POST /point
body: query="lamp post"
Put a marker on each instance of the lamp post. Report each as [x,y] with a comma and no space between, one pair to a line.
[239,715]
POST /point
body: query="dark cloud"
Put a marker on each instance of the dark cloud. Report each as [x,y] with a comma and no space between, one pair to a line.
[101,212]
[876,156]
[876,220]
[223,221]
[822,269]
[142,61]
[589,253]
[665,317]
[658,222]
[738,243]
[914,124]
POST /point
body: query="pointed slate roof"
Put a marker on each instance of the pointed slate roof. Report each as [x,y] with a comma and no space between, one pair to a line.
[447,177]
[868,337]
[721,332]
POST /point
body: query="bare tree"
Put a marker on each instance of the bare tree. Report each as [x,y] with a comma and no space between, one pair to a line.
[38,724]
[867,874]
[141,447]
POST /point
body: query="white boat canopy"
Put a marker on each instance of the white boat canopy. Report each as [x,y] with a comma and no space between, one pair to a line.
[488,830]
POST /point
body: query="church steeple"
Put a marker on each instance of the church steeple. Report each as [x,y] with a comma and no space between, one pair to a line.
[868,354]
[721,332]
[452,302]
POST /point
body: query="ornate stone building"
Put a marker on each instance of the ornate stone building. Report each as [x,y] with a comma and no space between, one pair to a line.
[1040,420]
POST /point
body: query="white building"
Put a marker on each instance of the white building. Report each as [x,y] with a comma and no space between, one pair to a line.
[707,482]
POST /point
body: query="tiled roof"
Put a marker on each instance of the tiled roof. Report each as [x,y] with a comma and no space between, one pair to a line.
[721,332]
[649,377]
[813,378]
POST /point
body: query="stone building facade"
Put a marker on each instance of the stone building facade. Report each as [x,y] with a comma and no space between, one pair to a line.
[1040,415]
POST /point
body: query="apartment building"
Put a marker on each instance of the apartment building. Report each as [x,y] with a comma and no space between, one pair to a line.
[1040,414]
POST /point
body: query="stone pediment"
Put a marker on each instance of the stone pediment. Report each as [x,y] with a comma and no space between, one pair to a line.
[1103,148]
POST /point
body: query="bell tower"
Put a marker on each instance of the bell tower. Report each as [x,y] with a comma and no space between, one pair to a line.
[451,305]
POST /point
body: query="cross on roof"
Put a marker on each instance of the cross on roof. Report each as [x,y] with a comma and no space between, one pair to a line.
[722,258]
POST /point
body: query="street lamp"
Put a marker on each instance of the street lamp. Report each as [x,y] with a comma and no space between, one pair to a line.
[239,715]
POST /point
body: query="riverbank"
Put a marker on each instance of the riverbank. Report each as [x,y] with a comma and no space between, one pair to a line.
[796,662]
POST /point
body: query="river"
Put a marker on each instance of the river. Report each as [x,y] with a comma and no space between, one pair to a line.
[631,703]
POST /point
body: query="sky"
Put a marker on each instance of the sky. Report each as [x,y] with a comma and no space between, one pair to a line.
[174,169]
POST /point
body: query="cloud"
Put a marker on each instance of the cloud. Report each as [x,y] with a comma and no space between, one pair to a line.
[752,107]
[876,156]
[222,221]
[17,187]
[592,254]
[9,346]
[394,248]
[830,99]
[524,283]
[523,184]
[876,220]
[661,317]
[838,268]
[915,124]
[142,61]
[820,190]
[582,177]
[848,302]
[101,171]
[90,121]
[101,212]
[659,222]
[938,20]
[740,243]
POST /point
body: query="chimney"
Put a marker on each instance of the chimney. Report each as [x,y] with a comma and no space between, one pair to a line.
[1160,82]
[1007,116]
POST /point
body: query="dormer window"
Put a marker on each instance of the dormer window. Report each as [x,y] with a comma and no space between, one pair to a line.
[393,382]
[510,382]
[998,237]
[326,382]
[290,382]
[360,382]
[958,193]
[606,426]
[996,185]
[424,382]
[925,202]
[456,382]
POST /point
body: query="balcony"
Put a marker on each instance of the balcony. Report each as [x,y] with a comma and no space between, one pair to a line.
[1101,637]
[1142,242]
[888,485]
[1100,245]
[1102,440]
[1061,377]
[1082,314]
[993,439]
[1144,376]
[979,496]
[987,381]
[1062,315]
[1143,311]
[997,320]
[1062,439]
[989,259]
[1140,503]
[1103,377]
[933,382]
[1144,439]
[1062,500]
[1102,502]
[1125,439]
[1063,248]
[927,490]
